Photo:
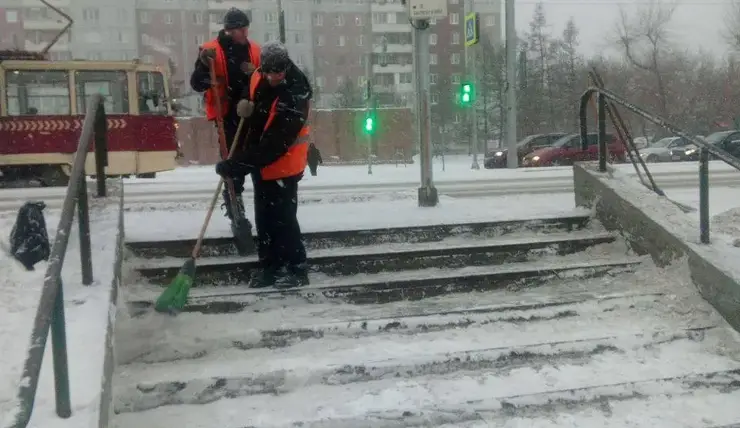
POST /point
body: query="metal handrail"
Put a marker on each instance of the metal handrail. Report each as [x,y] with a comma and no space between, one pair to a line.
[705,147]
[50,312]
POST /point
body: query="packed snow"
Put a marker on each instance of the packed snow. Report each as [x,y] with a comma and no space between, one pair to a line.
[86,311]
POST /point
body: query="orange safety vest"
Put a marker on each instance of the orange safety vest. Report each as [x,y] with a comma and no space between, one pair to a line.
[223,76]
[294,161]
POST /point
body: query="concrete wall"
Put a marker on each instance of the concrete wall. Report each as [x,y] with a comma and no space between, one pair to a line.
[654,225]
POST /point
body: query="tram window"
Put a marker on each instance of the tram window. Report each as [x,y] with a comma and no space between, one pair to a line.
[152,98]
[37,92]
[112,85]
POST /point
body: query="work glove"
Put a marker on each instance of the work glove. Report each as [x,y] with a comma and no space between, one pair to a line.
[206,55]
[230,168]
[245,108]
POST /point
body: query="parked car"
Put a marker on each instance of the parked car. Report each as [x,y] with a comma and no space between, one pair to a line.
[497,158]
[567,150]
[662,150]
[726,140]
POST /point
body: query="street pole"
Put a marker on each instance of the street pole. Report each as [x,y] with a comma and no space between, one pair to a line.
[369,98]
[512,160]
[471,66]
[427,192]
[281,21]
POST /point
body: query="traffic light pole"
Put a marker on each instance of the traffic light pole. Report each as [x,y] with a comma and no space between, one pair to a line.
[427,192]
[369,98]
[471,70]
[281,21]
[512,160]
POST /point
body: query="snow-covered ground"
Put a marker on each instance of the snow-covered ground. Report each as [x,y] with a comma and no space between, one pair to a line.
[86,310]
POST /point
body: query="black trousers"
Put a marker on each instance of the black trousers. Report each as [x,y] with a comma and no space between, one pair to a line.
[276,219]
[231,123]
[313,169]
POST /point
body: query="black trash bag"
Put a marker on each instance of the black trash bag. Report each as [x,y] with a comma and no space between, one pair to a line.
[29,240]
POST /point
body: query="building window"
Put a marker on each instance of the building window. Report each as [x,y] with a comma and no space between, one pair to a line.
[11,16]
[455,38]
[432,78]
[433,59]
[454,18]
[199,40]
[144,17]
[433,39]
[299,60]
[457,118]
[198,18]
[434,98]
[360,40]
[91,14]
[455,58]
[433,21]
[168,19]
[491,20]
[298,18]
[341,41]
[320,40]
[404,78]
[168,40]
[318,19]
[298,38]
[94,56]
[358,21]
[380,18]
[268,37]
[361,82]
[147,59]
[339,20]
[121,37]
[271,17]
[455,79]
[320,82]
[38,92]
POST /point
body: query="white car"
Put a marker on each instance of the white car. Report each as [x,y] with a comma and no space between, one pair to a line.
[661,150]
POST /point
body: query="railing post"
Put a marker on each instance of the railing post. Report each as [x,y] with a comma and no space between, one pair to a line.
[101,148]
[83,216]
[603,150]
[704,195]
[59,354]
[582,117]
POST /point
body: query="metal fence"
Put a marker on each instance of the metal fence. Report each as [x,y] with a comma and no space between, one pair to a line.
[706,148]
[50,312]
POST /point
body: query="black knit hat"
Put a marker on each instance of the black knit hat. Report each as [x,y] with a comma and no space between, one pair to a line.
[235,19]
[274,58]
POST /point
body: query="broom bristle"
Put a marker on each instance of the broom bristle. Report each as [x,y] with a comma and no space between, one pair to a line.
[175,297]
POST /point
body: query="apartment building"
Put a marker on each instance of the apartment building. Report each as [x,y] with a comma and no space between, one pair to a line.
[330,39]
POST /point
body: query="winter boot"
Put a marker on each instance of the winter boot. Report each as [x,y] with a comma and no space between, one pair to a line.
[263,277]
[296,276]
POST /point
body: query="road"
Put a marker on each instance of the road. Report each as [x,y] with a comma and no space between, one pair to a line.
[198,185]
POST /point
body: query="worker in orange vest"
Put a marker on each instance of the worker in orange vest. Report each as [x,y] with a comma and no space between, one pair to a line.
[235,57]
[277,146]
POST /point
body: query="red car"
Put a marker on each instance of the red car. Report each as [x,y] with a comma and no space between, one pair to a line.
[567,150]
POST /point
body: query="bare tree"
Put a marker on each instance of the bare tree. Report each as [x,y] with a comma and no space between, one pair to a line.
[644,41]
[732,25]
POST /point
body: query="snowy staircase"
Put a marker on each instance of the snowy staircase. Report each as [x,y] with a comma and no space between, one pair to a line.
[547,322]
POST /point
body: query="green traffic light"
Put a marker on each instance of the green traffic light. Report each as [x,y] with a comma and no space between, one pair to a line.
[369,124]
[466,97]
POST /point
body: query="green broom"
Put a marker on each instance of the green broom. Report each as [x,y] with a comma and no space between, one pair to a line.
[174,298]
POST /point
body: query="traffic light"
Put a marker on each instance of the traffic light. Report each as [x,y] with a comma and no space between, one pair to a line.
[467,94]
[368,125]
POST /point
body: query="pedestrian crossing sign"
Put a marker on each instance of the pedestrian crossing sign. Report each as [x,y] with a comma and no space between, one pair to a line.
[471,29]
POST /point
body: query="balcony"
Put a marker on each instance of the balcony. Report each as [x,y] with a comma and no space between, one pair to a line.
[228,4]
[403,27]
[44,24]
[394,49]
[393,68]
[36,3]
[59,46]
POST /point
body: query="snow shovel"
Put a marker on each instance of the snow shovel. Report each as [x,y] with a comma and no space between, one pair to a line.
[241,228]
[174,298]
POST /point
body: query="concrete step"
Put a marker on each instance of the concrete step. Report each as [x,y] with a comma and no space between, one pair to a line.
[412,284]
[288,322]
[223,246]
[452,253]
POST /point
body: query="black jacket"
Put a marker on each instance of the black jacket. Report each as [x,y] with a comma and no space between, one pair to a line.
[314,155]
[264,147]
[236,55]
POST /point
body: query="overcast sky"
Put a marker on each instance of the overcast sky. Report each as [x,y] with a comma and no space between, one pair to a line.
[696,23]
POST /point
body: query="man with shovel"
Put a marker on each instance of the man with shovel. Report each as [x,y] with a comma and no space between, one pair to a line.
[231,58]
[277,104]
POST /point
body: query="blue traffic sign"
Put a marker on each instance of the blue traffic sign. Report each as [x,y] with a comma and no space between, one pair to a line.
[472,34]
